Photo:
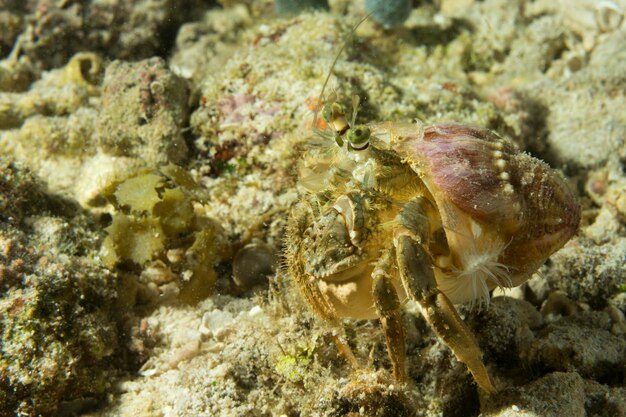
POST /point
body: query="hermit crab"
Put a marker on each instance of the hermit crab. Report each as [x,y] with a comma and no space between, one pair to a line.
[437,214]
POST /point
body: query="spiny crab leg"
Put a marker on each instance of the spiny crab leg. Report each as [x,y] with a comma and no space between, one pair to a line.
[418,279]
[388,307]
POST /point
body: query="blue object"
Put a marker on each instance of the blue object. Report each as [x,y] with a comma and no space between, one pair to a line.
[297,6]
[389,13]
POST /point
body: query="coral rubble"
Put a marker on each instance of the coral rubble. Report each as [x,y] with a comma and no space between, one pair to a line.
[148,155]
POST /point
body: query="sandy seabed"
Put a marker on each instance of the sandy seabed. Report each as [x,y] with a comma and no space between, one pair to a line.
[148,156]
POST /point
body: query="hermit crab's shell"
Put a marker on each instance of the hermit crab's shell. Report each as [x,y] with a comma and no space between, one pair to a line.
[492,198]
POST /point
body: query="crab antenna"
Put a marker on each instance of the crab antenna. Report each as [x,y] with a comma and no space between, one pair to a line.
[356,100]
[321,96]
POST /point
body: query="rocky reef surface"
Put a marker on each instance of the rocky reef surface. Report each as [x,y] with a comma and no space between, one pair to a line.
[147,168]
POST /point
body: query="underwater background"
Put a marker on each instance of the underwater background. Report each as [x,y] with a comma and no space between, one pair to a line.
[149,159]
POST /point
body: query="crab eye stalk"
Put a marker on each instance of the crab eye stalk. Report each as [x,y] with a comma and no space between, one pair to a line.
[335,116]
[327,113]
[358,137]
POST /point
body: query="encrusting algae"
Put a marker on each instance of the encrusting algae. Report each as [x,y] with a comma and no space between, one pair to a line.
[157,228]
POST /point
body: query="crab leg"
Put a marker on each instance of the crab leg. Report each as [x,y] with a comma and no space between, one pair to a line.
[388,308]
[418,278]
[345,351]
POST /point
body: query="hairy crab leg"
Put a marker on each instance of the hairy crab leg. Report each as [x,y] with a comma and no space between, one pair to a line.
[418,278]
[346,352]
[311,292]
[388,307]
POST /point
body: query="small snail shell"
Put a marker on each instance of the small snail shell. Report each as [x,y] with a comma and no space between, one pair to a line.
[253,264]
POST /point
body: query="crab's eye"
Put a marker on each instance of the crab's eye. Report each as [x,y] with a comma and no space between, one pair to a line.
[358,137]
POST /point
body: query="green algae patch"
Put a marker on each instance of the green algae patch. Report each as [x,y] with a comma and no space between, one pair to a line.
[159,228]
[295,367]
[137,239]
[175,211]
[139,193]
[201,258]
